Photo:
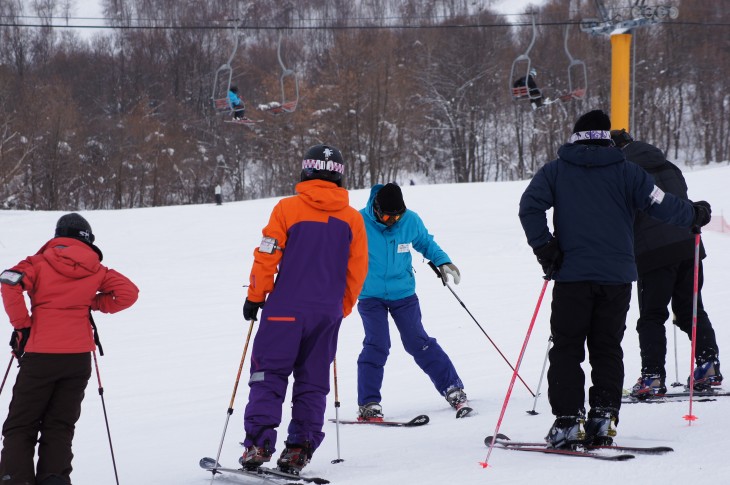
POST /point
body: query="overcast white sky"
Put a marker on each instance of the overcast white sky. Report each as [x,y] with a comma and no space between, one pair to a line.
[88,8]
[92,8]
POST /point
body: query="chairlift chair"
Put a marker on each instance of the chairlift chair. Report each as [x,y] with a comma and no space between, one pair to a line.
[577,76]
[519,93]
[576,71]
[221,103]
[286,106]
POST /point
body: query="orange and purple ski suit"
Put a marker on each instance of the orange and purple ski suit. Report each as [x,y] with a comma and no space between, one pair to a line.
[316,245]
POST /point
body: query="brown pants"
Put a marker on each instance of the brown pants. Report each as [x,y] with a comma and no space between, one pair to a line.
[46,400]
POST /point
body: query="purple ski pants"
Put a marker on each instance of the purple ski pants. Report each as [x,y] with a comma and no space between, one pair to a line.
[302,343]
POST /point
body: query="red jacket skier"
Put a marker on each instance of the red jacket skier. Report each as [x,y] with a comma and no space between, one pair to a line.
[64,280]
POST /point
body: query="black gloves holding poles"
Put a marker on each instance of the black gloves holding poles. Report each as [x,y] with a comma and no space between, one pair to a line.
[703,214]
[550,257]
[18,340]
[251,309]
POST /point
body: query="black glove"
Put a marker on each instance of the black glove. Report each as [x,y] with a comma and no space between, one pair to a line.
[18,340]
[550,257]
[703,213]
[251,309]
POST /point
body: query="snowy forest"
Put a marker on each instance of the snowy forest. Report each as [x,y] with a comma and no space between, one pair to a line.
[409,90]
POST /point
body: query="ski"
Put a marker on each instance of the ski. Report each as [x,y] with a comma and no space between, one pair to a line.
[464,411]
[643,450]
[262,472]
[697,396]
[665,399]
[244,121]
[505,443]
[707,392]
[417,421]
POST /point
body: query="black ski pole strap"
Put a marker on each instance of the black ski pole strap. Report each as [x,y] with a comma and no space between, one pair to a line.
[438,273]
[96,334]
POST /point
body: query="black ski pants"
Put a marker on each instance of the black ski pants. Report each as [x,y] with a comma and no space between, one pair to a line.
[45,406]
[593,314]
[673,283]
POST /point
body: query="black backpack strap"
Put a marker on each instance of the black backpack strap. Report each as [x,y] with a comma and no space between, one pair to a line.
[96,334]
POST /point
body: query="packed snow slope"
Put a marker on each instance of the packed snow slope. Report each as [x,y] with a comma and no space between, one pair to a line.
[171,360]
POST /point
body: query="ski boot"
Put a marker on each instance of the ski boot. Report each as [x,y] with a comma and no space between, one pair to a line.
[255,456]
[601,426]
[294,457]
[456,397]
[371,411]
[566,432]
[707,375]
[649,385]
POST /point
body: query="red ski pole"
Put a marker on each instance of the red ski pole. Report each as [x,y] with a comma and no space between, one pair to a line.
[695,290]
[485,463]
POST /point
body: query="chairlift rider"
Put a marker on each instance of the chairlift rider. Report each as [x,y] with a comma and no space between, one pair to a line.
[534,94]
[236,103]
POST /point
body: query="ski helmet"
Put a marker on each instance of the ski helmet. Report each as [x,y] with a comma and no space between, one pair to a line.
[233,88]
[533,72]
[323,162]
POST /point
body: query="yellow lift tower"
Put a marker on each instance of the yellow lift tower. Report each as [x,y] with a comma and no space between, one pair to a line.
[620,30]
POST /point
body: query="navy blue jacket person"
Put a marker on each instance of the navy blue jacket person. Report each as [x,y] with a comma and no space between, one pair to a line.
[594,193]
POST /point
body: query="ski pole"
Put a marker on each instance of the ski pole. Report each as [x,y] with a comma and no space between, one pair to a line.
[337,413]
[676,382]
[542,373]
[446,284]
[691,417]
[7,371]
[485,463]
[106,420]
[233,398]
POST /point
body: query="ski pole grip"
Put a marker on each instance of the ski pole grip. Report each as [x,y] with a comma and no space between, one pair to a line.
[438,273]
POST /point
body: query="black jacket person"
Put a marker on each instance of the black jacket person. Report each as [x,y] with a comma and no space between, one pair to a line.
[665,263]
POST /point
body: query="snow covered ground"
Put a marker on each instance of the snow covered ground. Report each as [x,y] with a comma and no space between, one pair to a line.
[171,360]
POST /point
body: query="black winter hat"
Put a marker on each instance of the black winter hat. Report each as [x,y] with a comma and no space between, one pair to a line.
[593,128]
[75,226]
[390,199]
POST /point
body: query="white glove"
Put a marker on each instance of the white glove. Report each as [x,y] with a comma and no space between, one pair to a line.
[450,269]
